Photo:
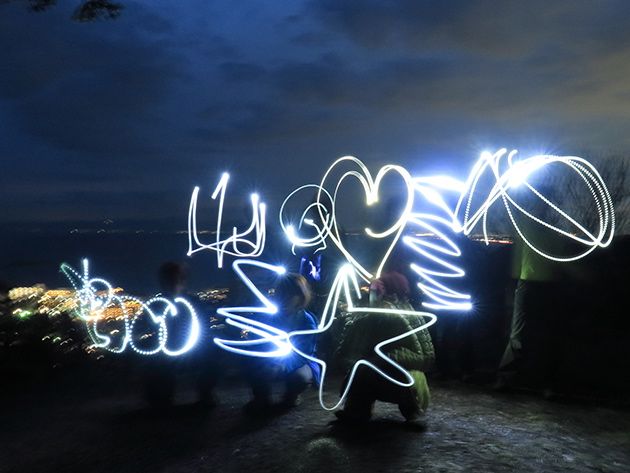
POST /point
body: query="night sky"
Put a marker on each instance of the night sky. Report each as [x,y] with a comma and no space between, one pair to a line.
[119,119]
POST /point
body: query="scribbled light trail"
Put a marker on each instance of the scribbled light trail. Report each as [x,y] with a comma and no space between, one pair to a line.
[248,243]
[438,252]
[329,227]
[321,228]
[516,175]
[266,334]
[95,295]
[436,262]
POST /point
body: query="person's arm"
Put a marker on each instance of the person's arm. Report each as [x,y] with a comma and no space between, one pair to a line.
[305,343]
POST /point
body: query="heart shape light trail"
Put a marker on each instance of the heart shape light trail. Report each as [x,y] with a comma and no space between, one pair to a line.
[435,262]
[370,187]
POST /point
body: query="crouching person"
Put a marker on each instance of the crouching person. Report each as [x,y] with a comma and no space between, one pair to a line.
[414,353]
[292,296]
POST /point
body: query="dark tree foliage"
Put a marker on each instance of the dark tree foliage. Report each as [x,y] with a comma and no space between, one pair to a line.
[40,5]
[97,9]
[87,10]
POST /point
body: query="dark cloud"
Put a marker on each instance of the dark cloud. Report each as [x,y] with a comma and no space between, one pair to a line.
[170,94]
[82,88]
[242,71]
[510,29]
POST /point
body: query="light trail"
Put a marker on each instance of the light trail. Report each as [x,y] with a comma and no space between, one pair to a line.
[252,238]
[92,302]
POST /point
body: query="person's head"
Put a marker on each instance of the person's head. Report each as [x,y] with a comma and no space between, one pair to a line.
[390,286]
[292,293]
[172,277]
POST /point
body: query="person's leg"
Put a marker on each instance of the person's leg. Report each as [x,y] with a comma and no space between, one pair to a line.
[159,382]
[297,382]
[208,364]
[361,397]
[552,346]
[259,374]
[414,400]
[513,355]
[206,378]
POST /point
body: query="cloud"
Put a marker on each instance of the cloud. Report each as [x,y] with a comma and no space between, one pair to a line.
[510,29]
[242,71]
[86,87]
[171,94]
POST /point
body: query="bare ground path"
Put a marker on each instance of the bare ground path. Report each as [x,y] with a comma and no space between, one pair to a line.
[466,429]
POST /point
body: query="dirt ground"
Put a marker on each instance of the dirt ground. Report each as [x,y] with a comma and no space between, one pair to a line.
[103,426]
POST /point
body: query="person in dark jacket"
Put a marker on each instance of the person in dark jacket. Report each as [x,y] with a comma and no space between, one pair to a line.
[292,295]
[414,353]
[160,372]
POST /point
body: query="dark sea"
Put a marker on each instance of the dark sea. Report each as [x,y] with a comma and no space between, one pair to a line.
[128,260]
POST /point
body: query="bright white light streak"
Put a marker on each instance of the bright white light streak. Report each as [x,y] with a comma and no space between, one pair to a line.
[516,175]
[429,189]
[438,250]
[266,334]
[193,333]
[341,288]
[321,230]
[92,302]
[248,243]
[329,222]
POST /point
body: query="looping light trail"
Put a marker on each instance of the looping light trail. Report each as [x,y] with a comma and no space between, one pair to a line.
[429,189]
[329,221]
[517,174]
[252,238]
[430,235]
[95,295]
[435,245]
[321,228]
[433,238]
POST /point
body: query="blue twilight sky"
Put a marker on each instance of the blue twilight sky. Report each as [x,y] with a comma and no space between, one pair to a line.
[120,119]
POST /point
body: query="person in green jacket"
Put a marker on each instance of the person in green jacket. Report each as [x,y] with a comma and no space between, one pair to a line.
[534,350]
[414,353]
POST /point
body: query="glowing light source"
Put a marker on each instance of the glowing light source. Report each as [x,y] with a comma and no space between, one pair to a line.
[430,235]
[346,279]
[95,296]
[232,245]
[436,247]
[266,334]
[516,174]
[329,221]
